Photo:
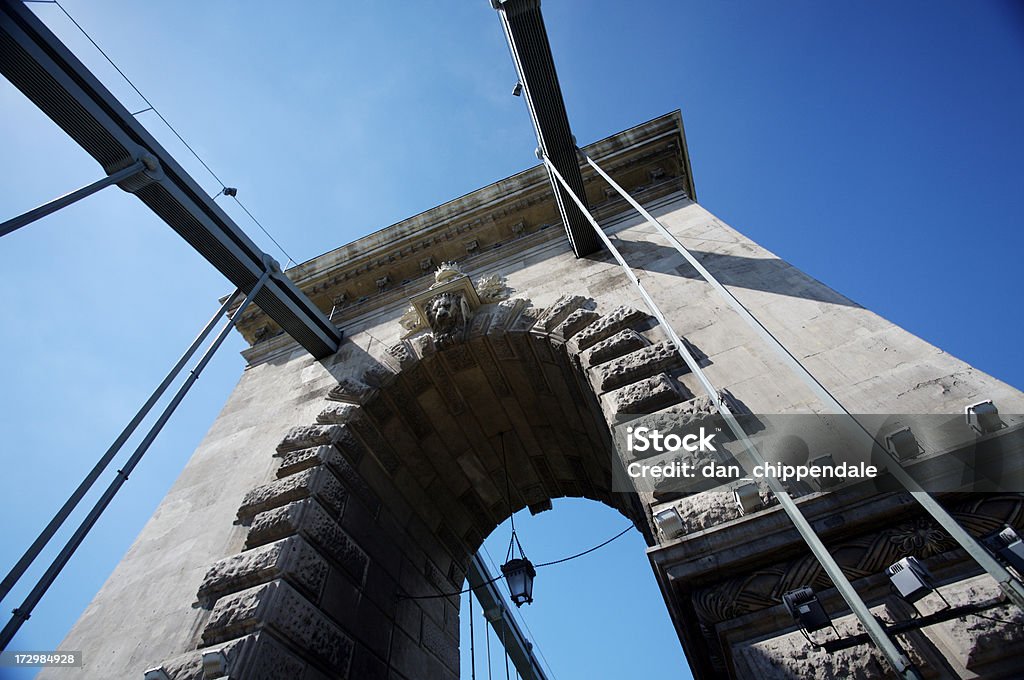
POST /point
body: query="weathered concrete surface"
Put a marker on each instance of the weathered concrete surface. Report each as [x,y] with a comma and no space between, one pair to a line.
[384,462]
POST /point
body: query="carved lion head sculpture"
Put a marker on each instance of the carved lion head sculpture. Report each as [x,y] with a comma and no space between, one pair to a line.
[445,314]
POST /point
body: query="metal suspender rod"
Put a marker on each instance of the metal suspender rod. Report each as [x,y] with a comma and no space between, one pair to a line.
[67,199]
[472,642]
[44,537]
[1009,585]
[21,614]
[33,552]
[899,662]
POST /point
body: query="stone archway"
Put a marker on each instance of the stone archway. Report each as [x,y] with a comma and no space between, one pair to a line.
[403,475]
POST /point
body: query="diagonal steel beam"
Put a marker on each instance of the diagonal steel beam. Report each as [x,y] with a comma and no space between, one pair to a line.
[531,52]
[45,70]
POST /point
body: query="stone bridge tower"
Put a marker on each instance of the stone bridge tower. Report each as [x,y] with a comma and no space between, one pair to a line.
[326,488]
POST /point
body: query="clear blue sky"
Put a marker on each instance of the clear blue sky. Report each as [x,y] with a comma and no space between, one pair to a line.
[875,145]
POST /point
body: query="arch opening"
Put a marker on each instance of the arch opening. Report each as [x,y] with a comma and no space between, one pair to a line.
[588,618]
[420,452]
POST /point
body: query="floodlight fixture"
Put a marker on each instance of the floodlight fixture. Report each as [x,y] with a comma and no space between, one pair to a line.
[805,608]
[983,417]
[1007,546]
[911,580]
[825,462]
[157,673]
[669,522]
[902,444]
[517,90]
[748,497]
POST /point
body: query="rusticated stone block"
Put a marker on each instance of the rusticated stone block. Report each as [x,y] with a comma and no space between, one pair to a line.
[436,641]
[309,519]
[257,656]
[350,390]
[349,445]
[524,322]
[367,666]
[292,559]
[643,363]
[354,482]
[279,607]
[649,394]
[317,482]
[617,345]
[260,657]
[335,413]
[304,436]
[399,356]
[608,325]
[575,322]
[187,666]
[504,314]
[304,459]
[558,312]
[378,375]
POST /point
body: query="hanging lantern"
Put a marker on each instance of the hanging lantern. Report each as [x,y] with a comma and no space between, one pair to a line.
[519,573]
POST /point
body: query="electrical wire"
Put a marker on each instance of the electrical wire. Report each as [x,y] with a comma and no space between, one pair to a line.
[170,127]
[992,618]
[258,224]
[403,596]
[585,552]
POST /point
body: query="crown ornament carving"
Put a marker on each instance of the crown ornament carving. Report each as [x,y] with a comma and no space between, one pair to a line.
[447,271]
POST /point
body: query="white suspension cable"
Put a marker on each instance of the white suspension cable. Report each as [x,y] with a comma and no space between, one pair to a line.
[1007,583]
[899,662]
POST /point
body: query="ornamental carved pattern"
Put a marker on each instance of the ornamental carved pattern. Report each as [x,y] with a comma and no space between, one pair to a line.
[858,557]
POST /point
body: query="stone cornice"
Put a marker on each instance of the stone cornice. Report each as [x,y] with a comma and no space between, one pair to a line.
[513,214]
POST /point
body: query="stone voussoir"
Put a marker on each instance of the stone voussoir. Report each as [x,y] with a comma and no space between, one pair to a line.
[279,607]
[318,482]
[649,394]
[188,666]
[303,459]
[623,342]
[309,519]
[336,413]
[305,436]
[259,656]
[292,559]
[575,322]
[608,325]
[560,311]
[642,363]
[339,463]
[351,390]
